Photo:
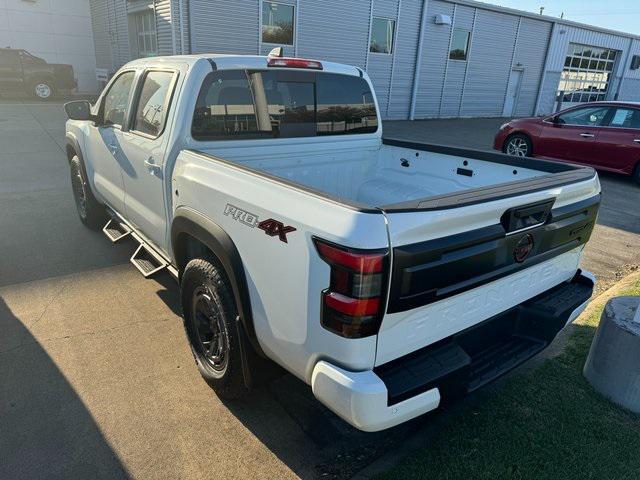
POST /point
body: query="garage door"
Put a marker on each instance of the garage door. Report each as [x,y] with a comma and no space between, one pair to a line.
[586,75]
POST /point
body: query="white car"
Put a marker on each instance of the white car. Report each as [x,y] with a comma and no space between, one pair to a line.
[390,276]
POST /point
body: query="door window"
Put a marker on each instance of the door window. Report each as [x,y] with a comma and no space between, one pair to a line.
[153,103]
[116,101]
[10,59]
[625,118]
[588,116]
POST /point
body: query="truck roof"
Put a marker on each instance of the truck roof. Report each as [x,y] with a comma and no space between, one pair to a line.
[234,62]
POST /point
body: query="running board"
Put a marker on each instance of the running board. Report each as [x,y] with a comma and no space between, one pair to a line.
[116,231]
[147,261]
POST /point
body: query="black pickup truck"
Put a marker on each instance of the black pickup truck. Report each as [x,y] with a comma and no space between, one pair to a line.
[22,72]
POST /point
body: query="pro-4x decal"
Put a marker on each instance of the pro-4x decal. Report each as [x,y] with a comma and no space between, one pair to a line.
[270,226]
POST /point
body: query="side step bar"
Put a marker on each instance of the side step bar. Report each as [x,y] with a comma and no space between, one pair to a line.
[146,258]
[147,261]
[115,231]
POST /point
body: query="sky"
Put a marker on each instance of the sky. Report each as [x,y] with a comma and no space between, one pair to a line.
[623,15]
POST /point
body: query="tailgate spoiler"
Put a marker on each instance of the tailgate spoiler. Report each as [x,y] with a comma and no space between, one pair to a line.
[559,174]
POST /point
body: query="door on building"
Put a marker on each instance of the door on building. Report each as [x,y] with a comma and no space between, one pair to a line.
[144,146]
[573,135]
[513,91]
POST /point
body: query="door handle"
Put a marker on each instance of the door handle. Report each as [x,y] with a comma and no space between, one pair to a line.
[637,140]
[150,163]
[587,135]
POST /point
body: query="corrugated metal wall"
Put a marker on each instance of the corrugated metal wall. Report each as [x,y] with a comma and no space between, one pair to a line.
[338,30]
[434,60]
[224,27]
[101,36]
[164,27]
[334,30]
[380,66]
[484,92]
[533,38]
[404,55]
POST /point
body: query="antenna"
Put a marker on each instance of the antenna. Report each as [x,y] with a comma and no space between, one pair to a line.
[541,10]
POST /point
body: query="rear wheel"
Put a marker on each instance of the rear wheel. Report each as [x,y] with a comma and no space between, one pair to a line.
[518,145]
[210,321]
[90,211]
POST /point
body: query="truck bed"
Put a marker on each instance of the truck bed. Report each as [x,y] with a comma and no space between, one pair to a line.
[402,176]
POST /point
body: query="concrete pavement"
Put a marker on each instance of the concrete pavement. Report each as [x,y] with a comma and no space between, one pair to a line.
[96,378]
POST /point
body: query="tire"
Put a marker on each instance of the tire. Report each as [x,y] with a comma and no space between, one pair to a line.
[42,89]
[210,316]
[636,174]
[518,145]
[92,214]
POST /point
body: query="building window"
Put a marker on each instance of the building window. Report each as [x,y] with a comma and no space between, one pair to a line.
[382,35]
[459,44]
[145,31]
[277,23]
[586,74]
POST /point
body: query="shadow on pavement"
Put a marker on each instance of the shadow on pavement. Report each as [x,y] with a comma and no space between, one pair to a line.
[45,429]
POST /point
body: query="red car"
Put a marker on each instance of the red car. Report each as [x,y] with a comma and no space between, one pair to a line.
[604,135]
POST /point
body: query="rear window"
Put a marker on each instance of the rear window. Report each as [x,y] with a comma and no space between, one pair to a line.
[236,104]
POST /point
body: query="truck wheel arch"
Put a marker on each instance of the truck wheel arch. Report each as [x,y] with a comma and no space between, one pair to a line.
[189,225]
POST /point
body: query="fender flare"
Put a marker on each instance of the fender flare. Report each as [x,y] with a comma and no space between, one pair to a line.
[190,222]
[72,141]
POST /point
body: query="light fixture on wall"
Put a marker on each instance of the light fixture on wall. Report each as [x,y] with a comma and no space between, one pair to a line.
[441,19]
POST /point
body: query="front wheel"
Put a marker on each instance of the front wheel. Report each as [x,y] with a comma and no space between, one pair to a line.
[43,90]
[636,174]
[518,145]
[210,317]
[91,212]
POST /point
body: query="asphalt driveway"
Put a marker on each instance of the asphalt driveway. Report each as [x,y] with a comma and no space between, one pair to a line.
[96,378]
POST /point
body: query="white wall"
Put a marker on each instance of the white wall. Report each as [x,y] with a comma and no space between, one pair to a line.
[57,30]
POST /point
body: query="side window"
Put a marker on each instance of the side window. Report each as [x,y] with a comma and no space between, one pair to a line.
[116,100]
[587,116]
[625,118]
[153,104]
[225,107]
[9,59]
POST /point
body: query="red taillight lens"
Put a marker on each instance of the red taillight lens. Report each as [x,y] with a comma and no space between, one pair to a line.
[294,63]
[352,305]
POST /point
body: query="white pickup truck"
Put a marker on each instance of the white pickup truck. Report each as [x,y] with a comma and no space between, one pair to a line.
[390,276]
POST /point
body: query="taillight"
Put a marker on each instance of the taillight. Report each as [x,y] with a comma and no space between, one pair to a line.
[353,305]
[294,63]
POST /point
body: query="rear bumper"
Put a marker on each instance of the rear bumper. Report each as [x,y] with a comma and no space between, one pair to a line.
[417,383]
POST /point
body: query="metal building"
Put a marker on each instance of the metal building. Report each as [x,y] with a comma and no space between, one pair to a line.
[426,58]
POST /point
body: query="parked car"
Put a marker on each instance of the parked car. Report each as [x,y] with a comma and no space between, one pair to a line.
[22,72]
[390,276]
[605,135]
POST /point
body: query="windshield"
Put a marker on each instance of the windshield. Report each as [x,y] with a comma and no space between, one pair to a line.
[282,104]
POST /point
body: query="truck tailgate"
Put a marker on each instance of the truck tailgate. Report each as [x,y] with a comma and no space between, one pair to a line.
[453,268]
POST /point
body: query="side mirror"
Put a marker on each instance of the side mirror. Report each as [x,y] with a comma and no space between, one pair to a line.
[79,110]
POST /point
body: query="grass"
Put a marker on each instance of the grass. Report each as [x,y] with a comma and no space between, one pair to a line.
[544,424]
